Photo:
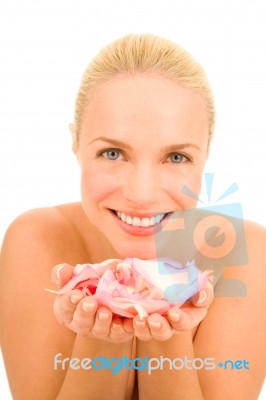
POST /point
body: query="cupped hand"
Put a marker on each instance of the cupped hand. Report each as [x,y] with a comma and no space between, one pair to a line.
[84,316]
[177,320]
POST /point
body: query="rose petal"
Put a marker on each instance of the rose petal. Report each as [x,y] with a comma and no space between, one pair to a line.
[138,287]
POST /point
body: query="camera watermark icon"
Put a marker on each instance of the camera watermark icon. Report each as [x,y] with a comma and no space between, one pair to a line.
[213,235]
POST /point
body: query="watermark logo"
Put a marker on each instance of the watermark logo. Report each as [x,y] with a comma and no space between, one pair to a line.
[145,363]
[213,235]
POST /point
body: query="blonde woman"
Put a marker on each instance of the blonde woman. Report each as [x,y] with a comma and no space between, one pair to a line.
[143,125]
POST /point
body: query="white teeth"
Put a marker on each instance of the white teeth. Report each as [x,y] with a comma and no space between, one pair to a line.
[152,221]
[123,217]
[157,219]
[136,221]
[128,220]
[143,222]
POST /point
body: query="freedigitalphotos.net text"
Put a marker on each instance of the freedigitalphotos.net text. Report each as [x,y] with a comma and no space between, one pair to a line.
[145,363]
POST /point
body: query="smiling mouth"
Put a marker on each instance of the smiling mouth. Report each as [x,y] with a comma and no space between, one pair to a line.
[141,222]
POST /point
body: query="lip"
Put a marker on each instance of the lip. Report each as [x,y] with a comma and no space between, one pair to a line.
[139,230]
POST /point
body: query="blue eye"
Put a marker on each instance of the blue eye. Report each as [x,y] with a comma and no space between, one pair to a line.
[110,154]
[178,158]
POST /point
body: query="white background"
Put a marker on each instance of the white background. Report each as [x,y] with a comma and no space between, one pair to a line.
[45,46]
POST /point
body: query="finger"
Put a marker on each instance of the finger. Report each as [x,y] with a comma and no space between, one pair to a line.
[159,327]
[101,327]
[205,297]
[118,334]
[187,317]
[84,316]
[141,329]
[61,274]
[128,325]
[65,305]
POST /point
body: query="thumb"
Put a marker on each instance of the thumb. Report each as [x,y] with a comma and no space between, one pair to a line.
[61,274]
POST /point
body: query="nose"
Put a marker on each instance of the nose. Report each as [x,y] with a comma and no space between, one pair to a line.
[141,187]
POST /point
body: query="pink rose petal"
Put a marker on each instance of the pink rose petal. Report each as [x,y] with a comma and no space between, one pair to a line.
[138,287]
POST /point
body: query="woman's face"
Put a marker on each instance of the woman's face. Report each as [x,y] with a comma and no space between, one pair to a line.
[143,137]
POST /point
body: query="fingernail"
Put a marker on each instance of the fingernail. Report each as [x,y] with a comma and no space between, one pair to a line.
[88,306]
[174,316]
[117,327]
[203,297]
[59,269]
[131,329]
[103,316]
[75,298]
[140,324]
[155,325]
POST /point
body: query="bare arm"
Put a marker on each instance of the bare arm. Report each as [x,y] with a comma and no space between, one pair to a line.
[170,383]
[233,329]
[30,334]
[95,384]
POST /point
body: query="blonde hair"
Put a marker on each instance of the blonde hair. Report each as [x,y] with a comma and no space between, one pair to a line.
[144,53]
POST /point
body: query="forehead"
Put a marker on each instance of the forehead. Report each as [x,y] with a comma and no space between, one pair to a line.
[147,103]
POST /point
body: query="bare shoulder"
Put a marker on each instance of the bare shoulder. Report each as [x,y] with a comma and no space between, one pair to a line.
[253,268]
[255,238]
[51,228]
[252,248]
[41,219]
[34,243]
[36,221]
[233,332]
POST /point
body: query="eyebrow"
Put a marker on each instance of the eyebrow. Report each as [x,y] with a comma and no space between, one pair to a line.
[123,145]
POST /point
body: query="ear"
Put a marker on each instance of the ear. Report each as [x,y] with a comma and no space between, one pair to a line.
[72,128]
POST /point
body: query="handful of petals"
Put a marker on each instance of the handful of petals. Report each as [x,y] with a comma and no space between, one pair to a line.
[138,287]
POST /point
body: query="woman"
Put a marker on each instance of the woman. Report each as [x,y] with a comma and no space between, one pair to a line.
[143,126]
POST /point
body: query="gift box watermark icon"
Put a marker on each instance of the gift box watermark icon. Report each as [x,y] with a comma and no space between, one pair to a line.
[212,235]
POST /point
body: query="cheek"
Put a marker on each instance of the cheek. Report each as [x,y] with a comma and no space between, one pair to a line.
[192,183]
[95,185]
[184,187]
